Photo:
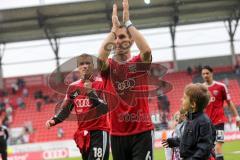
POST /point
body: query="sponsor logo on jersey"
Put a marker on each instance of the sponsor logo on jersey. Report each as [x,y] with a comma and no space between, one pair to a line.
[126,84]
[82,103]
[215,92]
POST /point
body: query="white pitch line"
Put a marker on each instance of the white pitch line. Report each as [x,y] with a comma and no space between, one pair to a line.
[236,152]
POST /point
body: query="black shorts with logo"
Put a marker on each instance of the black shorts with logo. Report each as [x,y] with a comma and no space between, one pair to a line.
[133,147]
[99,146]
[219,132]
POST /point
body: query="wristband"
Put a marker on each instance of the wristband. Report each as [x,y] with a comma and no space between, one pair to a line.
[238,119]
[128,24]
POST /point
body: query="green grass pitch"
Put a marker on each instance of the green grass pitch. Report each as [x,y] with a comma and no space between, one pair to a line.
[231,152]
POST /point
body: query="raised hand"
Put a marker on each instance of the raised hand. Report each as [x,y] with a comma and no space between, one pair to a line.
[115,21]
[49,123]
[125,11]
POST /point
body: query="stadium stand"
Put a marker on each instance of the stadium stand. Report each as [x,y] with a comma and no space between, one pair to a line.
[38,119]
[179,81]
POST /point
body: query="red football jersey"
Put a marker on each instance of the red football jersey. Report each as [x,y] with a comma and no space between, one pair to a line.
[87,115]
[215,109]
[130,113]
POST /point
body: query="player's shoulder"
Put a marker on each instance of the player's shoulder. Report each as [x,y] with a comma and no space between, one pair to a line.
[220,84]
[75,83]
[98,83]
[136,58]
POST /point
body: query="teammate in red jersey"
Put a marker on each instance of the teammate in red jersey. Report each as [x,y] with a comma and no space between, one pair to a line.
[83,96]
[130,122]
[215,109]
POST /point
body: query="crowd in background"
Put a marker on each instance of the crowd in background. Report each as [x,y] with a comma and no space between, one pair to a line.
[15,98]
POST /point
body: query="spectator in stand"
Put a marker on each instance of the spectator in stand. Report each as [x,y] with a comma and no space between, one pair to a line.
[25,92]
[38,104]
[38,94]
[20,83]
[189,70]
[60,132]
[15,88]
[25,136]
[28,124]
[6,100]
[226,82]
[163,120]
[164,103]
[2,105]
[9,111]
[21,104]
[3,93]
[237,69]
[46,99]
[199,68]
[53,98]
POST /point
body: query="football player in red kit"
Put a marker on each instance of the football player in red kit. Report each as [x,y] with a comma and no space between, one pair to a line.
[83,96]
[131,128]
[215,109]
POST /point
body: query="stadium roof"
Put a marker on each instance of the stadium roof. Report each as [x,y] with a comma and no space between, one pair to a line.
[81,18]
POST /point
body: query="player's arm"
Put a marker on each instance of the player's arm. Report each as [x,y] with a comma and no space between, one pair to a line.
[105,48]
[145,51]
[64,112]
[234,111]
[231,105]
[66,108]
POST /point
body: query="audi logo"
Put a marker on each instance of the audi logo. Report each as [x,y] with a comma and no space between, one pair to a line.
[80,103]
[126,84]
[55,154]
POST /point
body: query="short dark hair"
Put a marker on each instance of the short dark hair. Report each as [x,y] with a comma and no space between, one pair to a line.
[82,56]
[199,94]
[208,68]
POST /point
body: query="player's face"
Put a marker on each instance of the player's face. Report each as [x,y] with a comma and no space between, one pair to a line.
[207,75]
[185,102]
[85,66]
[123,41]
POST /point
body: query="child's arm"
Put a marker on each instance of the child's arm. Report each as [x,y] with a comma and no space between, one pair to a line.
[171,142]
